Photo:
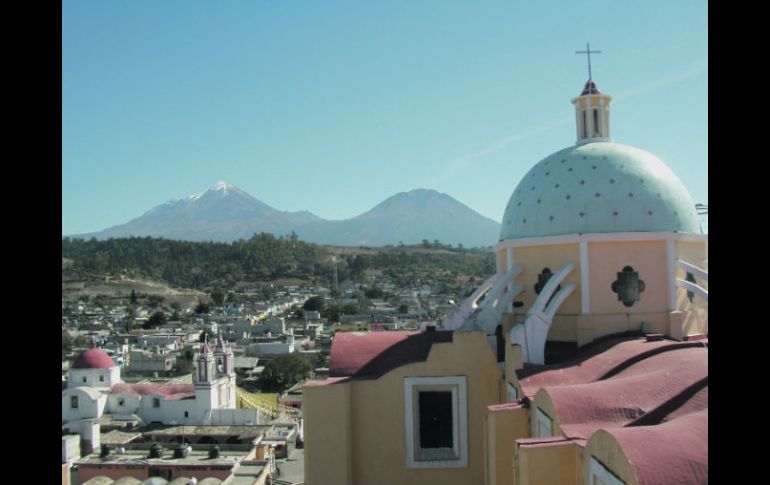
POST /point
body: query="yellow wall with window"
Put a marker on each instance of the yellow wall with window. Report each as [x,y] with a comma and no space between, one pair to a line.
[372,413]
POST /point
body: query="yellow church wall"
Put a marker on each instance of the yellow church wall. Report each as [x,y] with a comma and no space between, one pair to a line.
[563,328]
[501,258]
[514,360]
[695,318]
[607,259]
[503,428]
[545,404]
[552,464]
[328,434]
[605,448]
[553,256]
[376,450]
[591,327]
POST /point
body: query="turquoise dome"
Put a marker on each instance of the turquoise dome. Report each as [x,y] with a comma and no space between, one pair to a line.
[598,187]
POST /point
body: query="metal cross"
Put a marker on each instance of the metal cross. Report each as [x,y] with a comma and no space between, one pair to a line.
[589,52]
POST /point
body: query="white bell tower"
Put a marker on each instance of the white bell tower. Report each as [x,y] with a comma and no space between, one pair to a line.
[592,109]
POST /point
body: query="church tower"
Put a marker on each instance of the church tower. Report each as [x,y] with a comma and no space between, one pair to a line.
[205,378]
[225,372]
[592,109]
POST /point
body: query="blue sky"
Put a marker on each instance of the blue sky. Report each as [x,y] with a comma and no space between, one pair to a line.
[334,106]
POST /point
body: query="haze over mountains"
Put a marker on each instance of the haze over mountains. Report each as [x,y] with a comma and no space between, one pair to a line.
[226,213]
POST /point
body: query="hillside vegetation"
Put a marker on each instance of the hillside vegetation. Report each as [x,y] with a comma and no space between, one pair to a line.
[264,257]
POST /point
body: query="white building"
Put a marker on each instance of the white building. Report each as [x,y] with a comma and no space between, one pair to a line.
[95,388]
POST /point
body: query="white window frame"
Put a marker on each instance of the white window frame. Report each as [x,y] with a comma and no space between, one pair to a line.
[458,386]
[543,421]
[598,474]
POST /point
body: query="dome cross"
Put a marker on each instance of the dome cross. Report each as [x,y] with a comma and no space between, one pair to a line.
[588,51]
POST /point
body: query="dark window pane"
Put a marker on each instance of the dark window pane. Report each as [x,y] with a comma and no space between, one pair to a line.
[436,419]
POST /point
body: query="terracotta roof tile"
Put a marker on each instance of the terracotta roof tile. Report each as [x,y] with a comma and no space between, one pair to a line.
[370,355]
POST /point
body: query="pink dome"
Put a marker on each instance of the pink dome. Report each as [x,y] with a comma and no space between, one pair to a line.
[93,359]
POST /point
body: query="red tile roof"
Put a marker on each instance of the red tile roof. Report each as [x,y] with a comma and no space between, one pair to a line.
[673,452]
[637,389]
[371,355]
[168,391]
[594,362]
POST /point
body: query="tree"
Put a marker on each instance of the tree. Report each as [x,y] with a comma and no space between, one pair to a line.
[218,296]
[351,309]
[268,292]
[202,308]
[156,320]
[314,304]
[403,308]
[155,300]
[333,313]
[374,292]
[283,372]
[66,341]
[299,314]
[133,299]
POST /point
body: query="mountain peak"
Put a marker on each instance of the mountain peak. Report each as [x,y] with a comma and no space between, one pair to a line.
[222,186]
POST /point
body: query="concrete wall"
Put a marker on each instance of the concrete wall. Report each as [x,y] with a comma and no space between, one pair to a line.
[603,446]
[552,463]
[92,377]
[88,406]
[502,428]
[234,417]
[377,424]
[130,404]
[328,434]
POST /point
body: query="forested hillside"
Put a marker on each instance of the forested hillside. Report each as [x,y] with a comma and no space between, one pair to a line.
[265,257]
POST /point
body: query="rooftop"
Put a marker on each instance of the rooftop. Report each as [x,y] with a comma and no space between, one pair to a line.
[369,355]
[240,431]
[140,456]
[169,391]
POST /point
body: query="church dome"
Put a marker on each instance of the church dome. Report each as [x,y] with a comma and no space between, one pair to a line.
[599,187]
[93,359]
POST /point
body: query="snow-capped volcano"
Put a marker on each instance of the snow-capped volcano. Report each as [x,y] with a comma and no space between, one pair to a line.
[226,213]
[223,212]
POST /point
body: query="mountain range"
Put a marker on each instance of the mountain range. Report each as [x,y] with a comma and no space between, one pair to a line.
[226,213]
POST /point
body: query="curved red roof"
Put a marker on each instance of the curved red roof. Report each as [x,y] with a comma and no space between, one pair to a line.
[639,388]
[672,452]
[93,359]
[594,362]
[371,355]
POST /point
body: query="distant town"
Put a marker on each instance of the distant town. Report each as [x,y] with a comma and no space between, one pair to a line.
[134,350]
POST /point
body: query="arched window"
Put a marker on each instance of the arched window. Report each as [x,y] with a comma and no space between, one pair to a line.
[597,126]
